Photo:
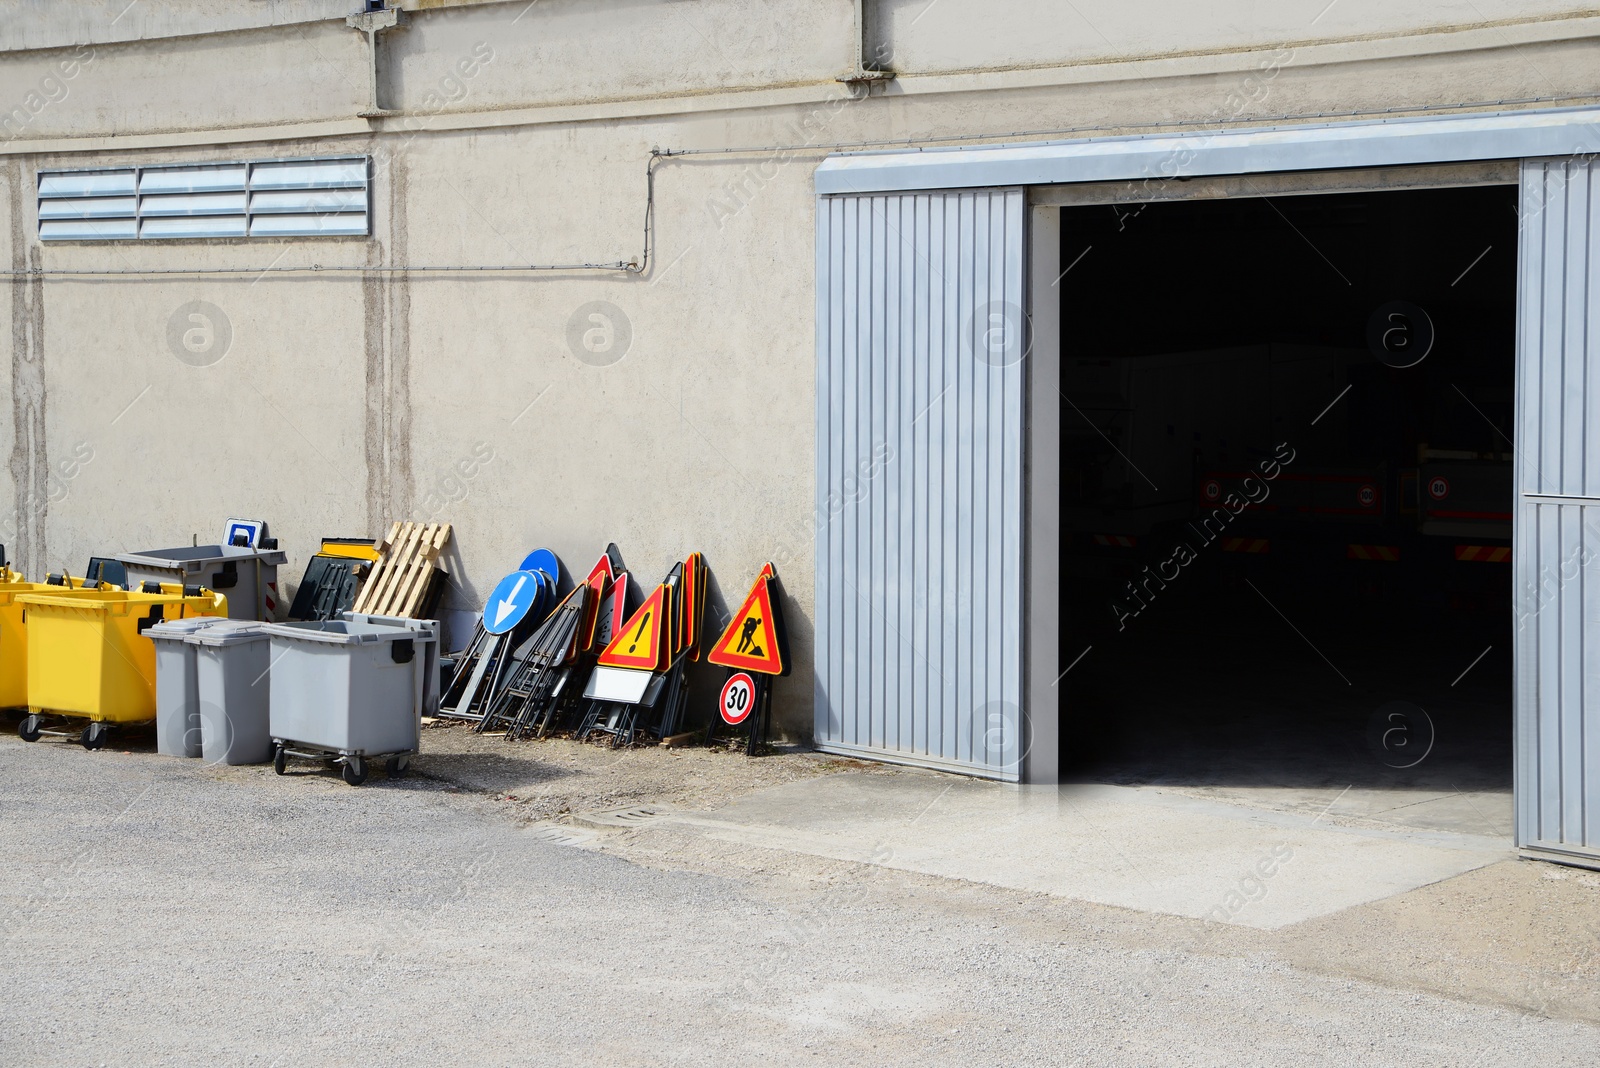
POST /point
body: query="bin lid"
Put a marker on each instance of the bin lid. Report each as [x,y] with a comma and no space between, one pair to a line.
[190,557]
[123,601]
[179,629]
[342,632]
[426,627]
[229,632]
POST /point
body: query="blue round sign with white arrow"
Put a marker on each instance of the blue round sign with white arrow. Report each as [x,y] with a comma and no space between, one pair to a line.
[511,601]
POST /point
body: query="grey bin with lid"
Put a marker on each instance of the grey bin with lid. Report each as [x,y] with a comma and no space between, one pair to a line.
[232,660]
[247,577]
[177,686]
[430,654]
[350,689]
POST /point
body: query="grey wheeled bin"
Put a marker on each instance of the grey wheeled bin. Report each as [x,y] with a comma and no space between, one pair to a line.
[231,662]
[249,577]
[350,692]
[177,688]
[431,654]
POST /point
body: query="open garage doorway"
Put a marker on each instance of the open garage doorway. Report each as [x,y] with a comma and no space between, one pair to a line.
[1286,500]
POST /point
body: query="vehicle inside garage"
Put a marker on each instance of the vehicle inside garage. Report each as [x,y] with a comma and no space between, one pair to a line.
[1286,491]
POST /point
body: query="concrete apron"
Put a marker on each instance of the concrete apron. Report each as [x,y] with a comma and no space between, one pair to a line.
[1143,848]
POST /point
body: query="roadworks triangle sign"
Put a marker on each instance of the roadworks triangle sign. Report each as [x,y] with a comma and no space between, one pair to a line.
[642,642]
[754,640]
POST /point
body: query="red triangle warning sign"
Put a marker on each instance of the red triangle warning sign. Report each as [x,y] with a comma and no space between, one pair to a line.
[642,642]
[602,570]
[754,638]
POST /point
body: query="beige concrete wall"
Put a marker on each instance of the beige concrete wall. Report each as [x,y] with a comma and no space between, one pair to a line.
[256,78]
[961,35]
[345,400]
[564,51]
[26,24]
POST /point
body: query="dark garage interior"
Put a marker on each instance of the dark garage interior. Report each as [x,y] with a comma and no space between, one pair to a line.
[1286,490]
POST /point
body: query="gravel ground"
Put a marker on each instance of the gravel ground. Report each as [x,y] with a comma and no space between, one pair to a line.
[154,913]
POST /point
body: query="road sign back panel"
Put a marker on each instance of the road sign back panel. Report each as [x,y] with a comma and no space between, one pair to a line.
[674,584]
[691,603]
[702,585]
[780,623]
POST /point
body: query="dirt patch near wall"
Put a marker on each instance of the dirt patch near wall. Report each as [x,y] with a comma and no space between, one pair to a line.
[553,778]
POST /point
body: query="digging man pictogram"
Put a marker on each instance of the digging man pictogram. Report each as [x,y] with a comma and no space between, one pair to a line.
[746,633]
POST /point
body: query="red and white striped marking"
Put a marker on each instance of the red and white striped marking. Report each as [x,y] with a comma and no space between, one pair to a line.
[1386,553]
[1118,541]
[1484,554]
[1246,545]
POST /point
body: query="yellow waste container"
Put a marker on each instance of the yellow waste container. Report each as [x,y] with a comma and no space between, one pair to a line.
[88,657]
[14,634]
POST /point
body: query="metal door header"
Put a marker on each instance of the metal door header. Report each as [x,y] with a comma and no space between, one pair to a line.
[1382,143]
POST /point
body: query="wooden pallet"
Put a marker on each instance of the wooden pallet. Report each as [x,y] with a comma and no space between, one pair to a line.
[399,580]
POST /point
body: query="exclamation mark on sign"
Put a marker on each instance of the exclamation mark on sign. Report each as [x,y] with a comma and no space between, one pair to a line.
[643,623]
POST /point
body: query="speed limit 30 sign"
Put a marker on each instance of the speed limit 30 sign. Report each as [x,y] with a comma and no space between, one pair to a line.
[738,698]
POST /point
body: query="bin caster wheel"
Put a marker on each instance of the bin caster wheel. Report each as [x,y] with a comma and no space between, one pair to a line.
[280,760]
[28,729]
[355,771]
[93,736]
[396,766]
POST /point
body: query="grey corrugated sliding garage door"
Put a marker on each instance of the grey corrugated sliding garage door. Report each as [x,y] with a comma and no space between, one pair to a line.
[920,345]
[1557,550]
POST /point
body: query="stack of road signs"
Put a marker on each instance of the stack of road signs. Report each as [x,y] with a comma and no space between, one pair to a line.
[754,647]
[640,671]
[531,682]
[541,667]
[696,577]
[519,603]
